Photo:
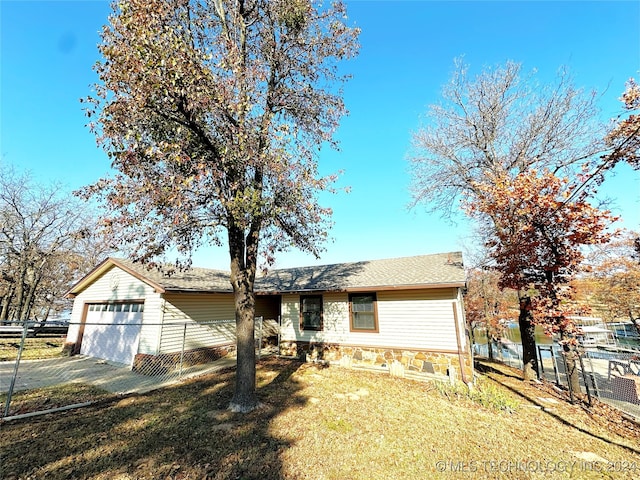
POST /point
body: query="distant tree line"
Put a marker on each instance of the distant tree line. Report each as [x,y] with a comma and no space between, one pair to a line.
[47,240]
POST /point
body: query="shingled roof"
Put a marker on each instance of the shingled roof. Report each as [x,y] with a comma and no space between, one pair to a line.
[193,279]
[165,279]
[424,271]
[442,269]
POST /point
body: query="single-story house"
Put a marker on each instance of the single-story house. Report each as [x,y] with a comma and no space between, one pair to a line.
[408,310]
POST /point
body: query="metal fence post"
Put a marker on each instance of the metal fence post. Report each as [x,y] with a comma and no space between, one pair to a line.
[554,362]
[584,377]
[592,375]
[279,328]
[184,341]
[15,369]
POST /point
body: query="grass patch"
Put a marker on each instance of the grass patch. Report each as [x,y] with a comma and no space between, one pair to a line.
[34,348]
[47,398]
[339,425]
[316,423]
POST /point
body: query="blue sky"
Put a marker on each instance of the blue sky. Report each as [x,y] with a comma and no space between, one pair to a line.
[48,49]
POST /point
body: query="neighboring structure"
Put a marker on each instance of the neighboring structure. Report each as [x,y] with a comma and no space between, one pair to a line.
[408,310]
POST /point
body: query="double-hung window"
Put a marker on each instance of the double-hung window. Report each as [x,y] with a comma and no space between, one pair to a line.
[363,312]
[311,312]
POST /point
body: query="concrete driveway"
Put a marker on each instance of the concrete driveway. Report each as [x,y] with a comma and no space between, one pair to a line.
[82,369]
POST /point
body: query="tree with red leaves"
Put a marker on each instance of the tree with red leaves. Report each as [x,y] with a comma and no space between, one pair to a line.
[491,135]
[540,225]
[487,306]
[213,113]
[615,275]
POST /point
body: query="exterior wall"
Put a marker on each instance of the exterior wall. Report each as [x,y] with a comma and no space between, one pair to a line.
[415,327]
[421,319]
[335,320]
[216,310]
[465,338]
[198,307]
[163,330]
[118,285]
[209,318]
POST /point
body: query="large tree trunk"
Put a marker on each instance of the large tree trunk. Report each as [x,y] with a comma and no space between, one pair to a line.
[243,268]
[244,399]
[527,334]
[572,360]
[20,292]
[30,297]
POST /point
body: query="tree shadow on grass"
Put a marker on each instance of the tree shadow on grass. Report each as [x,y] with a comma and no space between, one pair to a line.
[180,432]
[498,374]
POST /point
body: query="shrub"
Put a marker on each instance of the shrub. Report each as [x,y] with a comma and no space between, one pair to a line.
[484,393]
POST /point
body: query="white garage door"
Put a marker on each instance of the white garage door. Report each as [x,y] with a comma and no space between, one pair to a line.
[112,331]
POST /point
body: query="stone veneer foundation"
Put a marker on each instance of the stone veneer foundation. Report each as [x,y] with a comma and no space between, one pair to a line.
[419,361]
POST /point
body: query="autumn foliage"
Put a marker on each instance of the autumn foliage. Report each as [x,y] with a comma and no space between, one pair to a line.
[213,113]
[488,306]
[539,230]
[613,283]
[624,137]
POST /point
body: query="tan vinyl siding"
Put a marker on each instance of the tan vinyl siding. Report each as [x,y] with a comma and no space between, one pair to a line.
[74,322]
[203,320]
[417,319]
[199,307]
[194,310]
[335,320]
[290,324]
[117,285]
[462,322]
[151,324]
[421,319]
[194,335]
[290,329]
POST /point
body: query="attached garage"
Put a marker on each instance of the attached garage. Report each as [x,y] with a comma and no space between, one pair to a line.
[127,314]
[112,331]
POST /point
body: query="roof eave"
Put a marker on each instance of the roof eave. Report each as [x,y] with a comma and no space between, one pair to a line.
[196,290]
[102,268]
[375,288]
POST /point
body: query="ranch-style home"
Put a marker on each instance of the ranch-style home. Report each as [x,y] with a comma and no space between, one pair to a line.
[406,311]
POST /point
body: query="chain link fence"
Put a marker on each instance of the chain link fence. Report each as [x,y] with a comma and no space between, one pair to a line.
[612,376]
[38,374]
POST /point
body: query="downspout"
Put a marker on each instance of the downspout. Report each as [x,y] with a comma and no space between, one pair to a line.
[468,331]
[460,354]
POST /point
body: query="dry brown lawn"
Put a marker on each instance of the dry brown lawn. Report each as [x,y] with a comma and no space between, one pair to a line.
[326,423]
[49,346]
